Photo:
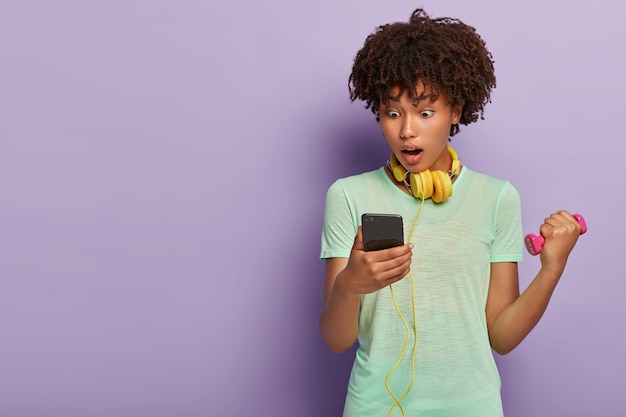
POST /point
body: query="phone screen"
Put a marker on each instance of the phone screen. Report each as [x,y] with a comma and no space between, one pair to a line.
[382,231]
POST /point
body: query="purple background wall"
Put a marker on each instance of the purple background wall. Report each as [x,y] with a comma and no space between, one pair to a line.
[163,167]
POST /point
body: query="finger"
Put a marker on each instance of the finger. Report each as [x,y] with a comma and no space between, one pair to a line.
[358,240]
[392,264]
[565,213]
[561,217]
[571,220]
[398,272]
[556,219]
[559,225]
[392,253]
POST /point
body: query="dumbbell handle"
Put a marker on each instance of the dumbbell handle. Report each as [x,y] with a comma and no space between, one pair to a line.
[535,243]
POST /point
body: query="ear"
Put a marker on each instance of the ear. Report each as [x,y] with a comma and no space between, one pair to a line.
[457,112]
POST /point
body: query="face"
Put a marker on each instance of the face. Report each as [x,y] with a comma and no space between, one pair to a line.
[418,134]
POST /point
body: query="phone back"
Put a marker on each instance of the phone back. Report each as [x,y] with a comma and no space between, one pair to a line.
[382,231]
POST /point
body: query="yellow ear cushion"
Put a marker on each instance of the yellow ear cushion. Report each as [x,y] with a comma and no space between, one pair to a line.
[416,185]
[443,186]
[447,185]
[438,183]
[422,184]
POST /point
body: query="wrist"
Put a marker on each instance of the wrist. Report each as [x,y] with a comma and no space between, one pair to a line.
[552,273]
[343,288]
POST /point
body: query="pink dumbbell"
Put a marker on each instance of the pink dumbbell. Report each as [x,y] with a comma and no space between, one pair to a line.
[535,243]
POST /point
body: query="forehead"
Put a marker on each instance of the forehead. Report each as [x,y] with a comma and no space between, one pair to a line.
[421,92]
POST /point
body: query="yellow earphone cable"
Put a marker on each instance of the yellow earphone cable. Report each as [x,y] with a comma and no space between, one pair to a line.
[408,333]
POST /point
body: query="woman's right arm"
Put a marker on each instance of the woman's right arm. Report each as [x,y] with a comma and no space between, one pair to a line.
[339,320]
[346,279]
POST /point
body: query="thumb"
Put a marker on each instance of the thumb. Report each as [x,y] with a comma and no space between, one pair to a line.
[358,240]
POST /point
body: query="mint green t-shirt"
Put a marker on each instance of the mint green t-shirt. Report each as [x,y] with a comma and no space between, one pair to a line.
[454,244]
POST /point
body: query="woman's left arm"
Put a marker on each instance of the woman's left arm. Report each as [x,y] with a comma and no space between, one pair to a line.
[511,316]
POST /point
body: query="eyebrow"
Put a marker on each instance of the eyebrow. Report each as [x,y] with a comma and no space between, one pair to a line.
[425,99]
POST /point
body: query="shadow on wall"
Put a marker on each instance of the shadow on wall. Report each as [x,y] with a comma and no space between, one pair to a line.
[356,147]
[350,148]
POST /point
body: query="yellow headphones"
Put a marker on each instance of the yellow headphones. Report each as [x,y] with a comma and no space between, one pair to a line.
[428,184]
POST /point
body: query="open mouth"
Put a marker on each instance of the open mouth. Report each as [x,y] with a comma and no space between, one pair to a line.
[412,151]
[412,155]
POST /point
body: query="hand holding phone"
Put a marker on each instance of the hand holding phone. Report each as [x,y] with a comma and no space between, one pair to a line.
[369,268]
[382,231]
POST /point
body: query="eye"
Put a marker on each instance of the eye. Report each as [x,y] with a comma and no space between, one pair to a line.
[426,113]
[393,114]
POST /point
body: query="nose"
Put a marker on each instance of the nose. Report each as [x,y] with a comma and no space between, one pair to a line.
[408,129]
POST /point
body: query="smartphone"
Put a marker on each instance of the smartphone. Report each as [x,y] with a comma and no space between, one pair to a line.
[382,231]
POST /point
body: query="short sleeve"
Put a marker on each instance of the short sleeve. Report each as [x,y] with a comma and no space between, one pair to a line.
[508,244]
[339,229]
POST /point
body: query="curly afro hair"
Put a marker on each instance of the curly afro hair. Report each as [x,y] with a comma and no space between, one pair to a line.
[444,55]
